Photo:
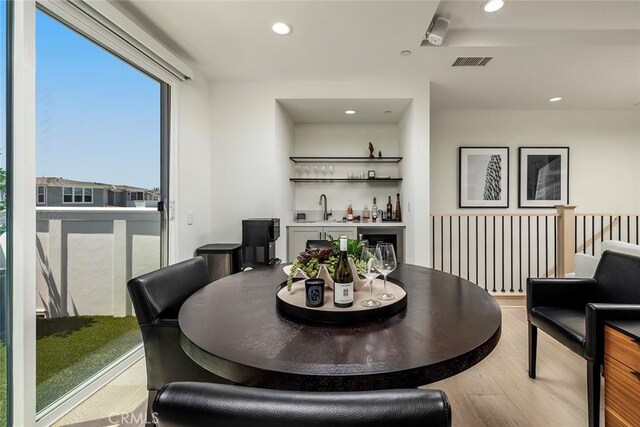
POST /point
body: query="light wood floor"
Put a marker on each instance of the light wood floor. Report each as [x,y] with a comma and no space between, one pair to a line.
[496,392]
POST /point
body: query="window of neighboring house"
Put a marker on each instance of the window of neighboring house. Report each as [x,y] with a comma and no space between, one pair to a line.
[136,195]
[41,195]
[77,195]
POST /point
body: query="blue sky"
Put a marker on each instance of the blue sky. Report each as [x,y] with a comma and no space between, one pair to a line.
[98,118]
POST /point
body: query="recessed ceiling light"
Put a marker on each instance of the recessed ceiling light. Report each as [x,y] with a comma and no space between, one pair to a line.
[282,28]
[555,99]
[405,53]
[350,112]
[493,5]
[387,112]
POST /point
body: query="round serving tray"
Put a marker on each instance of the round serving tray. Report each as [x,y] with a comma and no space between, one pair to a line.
[293,304]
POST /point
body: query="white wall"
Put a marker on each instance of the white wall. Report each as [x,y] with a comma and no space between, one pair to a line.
[70,241]
[414,148]
[604,152]
[284,195]
[251,169]
[194,167]
[345,140]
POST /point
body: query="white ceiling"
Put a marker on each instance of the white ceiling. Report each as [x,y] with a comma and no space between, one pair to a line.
[332,110]
[587,52]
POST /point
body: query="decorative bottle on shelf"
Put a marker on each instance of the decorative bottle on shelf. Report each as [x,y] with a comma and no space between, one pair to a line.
[398,209]
[374,211]
[349,212]
[343,280]
[365,213]
[389,210]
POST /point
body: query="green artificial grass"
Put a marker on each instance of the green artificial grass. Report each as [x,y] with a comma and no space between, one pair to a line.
[65,341]
[3,385]
[69,350]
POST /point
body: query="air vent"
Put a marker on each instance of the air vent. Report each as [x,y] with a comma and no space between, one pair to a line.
[472,61]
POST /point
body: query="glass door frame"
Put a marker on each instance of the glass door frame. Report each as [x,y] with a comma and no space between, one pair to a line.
[23,387]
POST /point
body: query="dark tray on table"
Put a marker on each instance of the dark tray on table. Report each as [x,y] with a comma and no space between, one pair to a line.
[293,305]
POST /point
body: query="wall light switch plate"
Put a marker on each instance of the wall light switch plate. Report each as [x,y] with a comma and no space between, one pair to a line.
[190,218]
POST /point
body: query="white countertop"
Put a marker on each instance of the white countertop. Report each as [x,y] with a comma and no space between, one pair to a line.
[345,224]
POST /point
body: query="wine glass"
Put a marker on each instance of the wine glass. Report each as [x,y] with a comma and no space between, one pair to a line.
[367,264]
[386,263]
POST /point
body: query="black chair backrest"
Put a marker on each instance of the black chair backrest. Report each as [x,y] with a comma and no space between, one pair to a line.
[199,404]
[618,278]
[319,244]
[160,294]
[157,298]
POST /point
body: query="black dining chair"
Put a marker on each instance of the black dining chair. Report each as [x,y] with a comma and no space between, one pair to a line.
[573,311]
[157,298]
[196,404]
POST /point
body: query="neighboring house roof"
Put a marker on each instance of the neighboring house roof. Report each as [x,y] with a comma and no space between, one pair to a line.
[49,181]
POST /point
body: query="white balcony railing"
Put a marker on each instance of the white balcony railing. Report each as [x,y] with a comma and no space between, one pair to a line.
[499,251]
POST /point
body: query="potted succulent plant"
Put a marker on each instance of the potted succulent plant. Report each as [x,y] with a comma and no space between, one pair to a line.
[322,263]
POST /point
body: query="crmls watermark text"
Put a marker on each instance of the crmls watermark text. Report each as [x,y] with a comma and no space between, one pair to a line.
[131,418]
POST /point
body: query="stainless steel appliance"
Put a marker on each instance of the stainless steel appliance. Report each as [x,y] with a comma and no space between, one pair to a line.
[223,259]
[259,237]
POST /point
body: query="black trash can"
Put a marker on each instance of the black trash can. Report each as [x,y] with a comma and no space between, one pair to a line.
[223,259]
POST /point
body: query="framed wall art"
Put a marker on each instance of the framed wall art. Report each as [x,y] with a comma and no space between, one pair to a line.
[483,177]
[543,177]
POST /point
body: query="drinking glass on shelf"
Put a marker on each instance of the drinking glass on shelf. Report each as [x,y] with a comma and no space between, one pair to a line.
[298,170]
[386,263]
[367,267]
[316,170]
[307,170]
[323,169]
[331,169]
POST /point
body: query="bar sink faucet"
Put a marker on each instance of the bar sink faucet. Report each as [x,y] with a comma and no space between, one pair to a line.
[325,214]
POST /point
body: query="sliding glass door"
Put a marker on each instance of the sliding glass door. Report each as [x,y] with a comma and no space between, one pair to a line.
[100,175]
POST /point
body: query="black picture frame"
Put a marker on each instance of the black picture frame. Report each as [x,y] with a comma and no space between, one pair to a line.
[525,175]
[464,172]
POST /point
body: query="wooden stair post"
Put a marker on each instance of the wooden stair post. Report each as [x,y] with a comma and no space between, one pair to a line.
[566,239]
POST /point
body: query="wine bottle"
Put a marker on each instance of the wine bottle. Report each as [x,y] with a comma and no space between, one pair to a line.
[398,209]
[349,212]
[343,280]
[389,210]
[374,211]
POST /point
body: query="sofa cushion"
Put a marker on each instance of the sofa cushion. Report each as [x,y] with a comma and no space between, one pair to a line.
[620,247]
[564,324]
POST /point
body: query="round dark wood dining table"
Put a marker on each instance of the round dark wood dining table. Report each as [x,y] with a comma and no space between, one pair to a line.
[232,328]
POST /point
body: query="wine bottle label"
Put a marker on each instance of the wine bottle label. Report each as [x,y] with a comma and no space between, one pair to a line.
[343,293]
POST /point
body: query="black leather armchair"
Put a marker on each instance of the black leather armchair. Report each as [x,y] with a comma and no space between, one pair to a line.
[197,404]
[573,311]
[157,298]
